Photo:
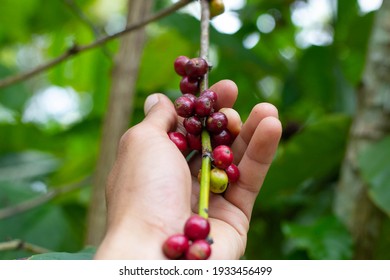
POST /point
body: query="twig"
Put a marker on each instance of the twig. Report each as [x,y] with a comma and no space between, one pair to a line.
[75,49]
[204,36]
[35,202]
[204,191]
[83,17]
[18,244]
[97,32]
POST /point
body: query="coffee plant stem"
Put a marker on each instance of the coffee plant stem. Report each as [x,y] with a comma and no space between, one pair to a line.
[204,192]
[204,37]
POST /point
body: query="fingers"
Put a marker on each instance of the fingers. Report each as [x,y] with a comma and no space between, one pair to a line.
[160,112]
[255,163]
[227,92]
[258,113]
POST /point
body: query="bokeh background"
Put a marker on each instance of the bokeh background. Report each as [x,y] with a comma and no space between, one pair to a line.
[323,63]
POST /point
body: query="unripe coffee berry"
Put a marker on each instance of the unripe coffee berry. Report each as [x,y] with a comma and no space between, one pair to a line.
[175,246]
[179,139]
[218,180]
[196,227]
[216,8]
[222,156]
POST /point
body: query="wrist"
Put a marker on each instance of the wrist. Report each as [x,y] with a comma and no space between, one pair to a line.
[135,239]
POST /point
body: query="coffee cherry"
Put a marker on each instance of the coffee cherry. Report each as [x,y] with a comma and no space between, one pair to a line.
[203,106]
[198,250]
[175,246]
[222,156]
[190,96]
[194,142]
[179,65]
[179,139]
[196,227]
[216,8]
[212,94]
[184,107]
[218,180]
[233,173]
[188,85]
[196,67]
[216,122]
[193,125]
[222,138]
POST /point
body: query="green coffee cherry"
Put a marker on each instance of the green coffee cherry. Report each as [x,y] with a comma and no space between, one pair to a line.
[218,180]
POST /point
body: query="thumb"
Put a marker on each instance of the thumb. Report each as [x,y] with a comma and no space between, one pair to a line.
[160,112]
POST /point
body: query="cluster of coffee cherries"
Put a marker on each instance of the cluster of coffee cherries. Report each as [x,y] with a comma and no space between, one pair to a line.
[199,113]
[193,243]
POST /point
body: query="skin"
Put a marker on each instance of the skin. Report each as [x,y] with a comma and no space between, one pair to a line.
[152,190]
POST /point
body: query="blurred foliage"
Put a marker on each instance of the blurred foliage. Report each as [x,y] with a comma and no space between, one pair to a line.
[312,86]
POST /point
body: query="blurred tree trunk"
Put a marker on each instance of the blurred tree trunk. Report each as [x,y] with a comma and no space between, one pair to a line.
[371,123]
[124,76]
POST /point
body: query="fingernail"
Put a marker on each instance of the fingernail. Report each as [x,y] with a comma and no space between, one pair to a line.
[150,101]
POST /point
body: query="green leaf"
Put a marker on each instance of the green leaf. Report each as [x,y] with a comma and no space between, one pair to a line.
[85,254]
[48,226]
[313,154]
[326,238]
[27,164]
[374,163]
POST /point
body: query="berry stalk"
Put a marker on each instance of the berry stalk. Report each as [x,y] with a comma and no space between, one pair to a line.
[204,192]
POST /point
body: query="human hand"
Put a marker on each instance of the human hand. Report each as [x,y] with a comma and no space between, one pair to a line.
[152,190]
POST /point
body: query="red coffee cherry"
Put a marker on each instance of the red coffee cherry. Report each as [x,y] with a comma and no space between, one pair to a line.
[222,156]
[212,94]
[179,65]
[194,142]
[193,125]
[216,122]
[203,106]
[175,246]
[233,173]
[184,107]
[196,67]
[189,86]
[197,227]
[199,250]
[222,138]
[179,139]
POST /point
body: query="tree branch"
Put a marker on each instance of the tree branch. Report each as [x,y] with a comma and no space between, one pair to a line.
[35,202]
[97,32]
[75,49]
[18,244]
